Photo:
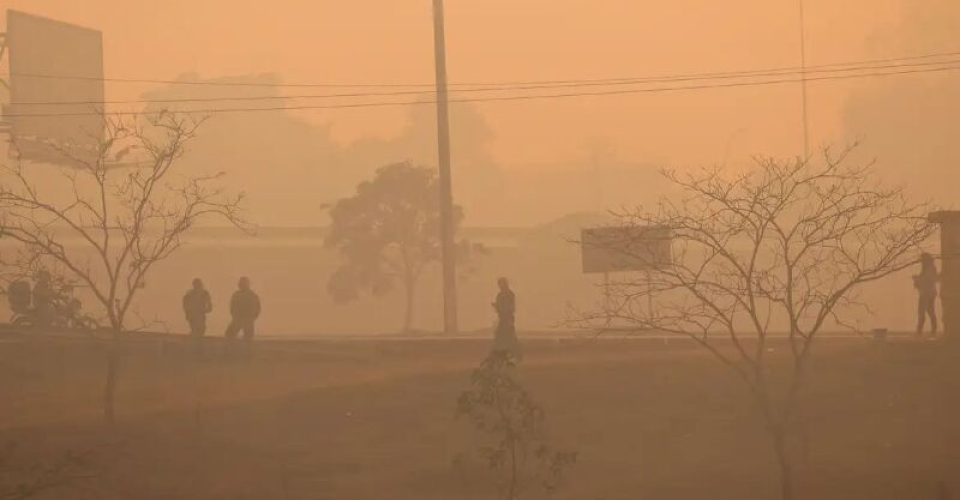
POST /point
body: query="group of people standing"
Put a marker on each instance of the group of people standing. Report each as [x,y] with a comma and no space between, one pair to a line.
[244,311]
[245,308]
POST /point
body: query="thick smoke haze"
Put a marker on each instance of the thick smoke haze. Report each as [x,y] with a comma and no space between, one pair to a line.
[505,144]
[693,249]
[910,126]
[529,163]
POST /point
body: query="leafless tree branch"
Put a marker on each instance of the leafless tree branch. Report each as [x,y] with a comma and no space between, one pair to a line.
[129,219]
[785,245]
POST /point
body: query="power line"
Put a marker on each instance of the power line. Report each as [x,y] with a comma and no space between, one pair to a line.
[503,98]
[707,75]
[731,75]
[475,84]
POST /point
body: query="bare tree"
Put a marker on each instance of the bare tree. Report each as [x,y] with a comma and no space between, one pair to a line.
[119,212]
[784,247]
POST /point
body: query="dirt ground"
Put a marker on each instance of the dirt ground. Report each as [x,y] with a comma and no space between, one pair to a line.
[376,420]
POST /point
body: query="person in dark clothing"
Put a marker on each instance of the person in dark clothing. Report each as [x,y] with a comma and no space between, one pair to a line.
[196,306]
[43,299]
[505,305]
[926,285]
[244,311]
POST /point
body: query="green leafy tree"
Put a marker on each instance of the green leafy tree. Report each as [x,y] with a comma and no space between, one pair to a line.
[388,232]
[513,427]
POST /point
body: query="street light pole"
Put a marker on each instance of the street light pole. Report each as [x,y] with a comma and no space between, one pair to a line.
[448,244]
[803,82]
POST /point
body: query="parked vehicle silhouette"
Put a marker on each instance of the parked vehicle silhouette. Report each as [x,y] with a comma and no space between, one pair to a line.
[64,310]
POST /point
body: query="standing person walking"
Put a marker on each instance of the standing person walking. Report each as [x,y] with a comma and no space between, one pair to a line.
[44,298]
[926,285]
[505,334]
[244,311]
[196,305]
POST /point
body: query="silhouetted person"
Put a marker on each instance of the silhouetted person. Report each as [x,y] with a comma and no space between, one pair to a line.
[196,306]
[926,285]
[43,299]
[244,311]
[505,335]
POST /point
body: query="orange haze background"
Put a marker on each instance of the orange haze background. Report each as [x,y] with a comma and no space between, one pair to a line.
[499,40]
[519,164]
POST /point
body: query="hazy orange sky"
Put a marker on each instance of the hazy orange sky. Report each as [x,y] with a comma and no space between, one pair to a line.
[496,40]
[363,41]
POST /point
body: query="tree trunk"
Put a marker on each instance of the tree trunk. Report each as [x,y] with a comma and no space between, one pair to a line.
[783,460]
[113,370]
[410,285]
[514,470]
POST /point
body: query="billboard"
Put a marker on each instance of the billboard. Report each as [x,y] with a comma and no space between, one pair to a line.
[613,249]
[52,62]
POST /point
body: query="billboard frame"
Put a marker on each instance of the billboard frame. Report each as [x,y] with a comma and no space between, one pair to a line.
[625,248]
[56,68]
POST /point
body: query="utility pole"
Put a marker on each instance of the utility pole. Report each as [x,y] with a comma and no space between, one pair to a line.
[448,244]
[803,82]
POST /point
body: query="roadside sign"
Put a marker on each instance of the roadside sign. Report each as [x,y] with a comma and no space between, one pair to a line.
[613,249]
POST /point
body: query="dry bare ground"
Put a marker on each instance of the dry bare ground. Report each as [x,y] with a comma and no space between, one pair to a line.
[375,420]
